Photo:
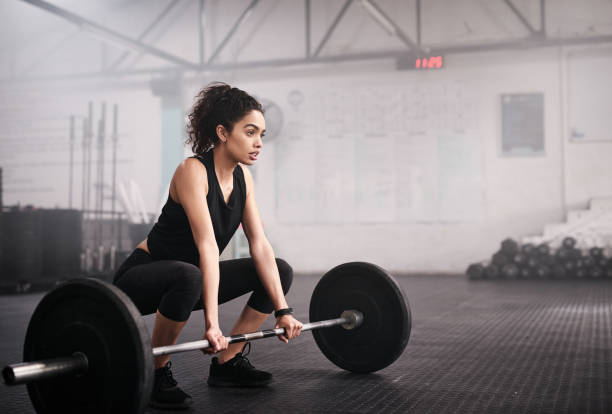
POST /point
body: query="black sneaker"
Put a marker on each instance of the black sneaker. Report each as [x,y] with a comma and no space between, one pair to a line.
[237,372]
[166,394]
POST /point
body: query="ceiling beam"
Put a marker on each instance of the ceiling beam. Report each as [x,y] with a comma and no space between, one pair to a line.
[383,19]
[332,27]
[245,14]
[521,17]
[521,44]
[144,33]
[109,35]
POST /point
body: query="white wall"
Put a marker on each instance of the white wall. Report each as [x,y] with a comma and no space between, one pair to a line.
[434,245]
[521,194]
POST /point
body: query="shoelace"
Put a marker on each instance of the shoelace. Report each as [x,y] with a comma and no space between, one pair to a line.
[166,376]
[243,361]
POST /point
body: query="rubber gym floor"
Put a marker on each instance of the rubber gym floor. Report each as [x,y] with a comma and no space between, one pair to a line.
[476,347]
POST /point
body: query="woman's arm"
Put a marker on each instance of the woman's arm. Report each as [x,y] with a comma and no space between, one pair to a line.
[264,259]
[190,186]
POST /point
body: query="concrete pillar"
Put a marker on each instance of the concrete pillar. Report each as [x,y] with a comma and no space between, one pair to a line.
[172,124]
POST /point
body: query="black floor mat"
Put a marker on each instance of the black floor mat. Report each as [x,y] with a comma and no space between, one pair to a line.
[475,347]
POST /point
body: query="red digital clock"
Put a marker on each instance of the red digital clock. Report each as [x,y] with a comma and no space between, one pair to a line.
[414,61]
[429,62]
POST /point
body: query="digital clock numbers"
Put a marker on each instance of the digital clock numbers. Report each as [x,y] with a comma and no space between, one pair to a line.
[429,62]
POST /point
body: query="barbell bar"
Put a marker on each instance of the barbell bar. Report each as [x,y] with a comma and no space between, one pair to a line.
[77,364]
[349,319]
[25,372]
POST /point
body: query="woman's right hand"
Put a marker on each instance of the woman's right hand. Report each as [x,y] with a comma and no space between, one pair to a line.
[217,341]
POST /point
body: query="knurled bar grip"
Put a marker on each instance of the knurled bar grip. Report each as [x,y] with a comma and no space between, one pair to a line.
[77,363]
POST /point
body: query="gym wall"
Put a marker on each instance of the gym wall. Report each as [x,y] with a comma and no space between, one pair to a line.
[418,199]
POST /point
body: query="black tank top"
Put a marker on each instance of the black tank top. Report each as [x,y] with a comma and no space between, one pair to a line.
[171,237]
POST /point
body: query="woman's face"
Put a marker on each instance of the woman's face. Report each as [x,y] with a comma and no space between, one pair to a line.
[245,140]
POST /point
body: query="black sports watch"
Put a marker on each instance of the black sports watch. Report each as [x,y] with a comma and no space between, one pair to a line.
[283,312]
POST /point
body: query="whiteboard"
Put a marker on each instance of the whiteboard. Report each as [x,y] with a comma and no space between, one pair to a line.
[379,152]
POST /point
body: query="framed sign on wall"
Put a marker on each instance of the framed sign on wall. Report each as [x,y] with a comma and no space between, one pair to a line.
[522,124]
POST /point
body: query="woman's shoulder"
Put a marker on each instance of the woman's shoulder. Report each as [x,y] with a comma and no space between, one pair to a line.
[246,173]
[244,169]
[248,178]
[191,169]
[194,162]
[190,174]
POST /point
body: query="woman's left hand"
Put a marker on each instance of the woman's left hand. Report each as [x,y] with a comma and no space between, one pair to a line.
[292,326]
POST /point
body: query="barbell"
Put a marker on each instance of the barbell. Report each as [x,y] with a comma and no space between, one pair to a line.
[87,348]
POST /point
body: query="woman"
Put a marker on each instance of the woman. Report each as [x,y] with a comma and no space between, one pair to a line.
[177,268]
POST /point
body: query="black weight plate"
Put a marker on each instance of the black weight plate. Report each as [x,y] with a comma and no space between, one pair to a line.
[510,271]
[475,271]
[99,320]
[385,330]
[491,271]
[569,242]
[509,247]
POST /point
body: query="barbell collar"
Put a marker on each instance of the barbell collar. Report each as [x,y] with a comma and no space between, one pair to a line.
[25,372]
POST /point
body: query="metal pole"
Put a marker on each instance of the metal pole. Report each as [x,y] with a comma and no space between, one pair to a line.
[84,162]
[201,26]
[89,145]
[564,128]
[307,24]
[542,18]
[114,183]
[100,174]
[71,173]
[115,138]
[100,169]
[418,22]
[36,370]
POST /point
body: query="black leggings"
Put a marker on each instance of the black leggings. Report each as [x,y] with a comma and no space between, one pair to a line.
[175,287]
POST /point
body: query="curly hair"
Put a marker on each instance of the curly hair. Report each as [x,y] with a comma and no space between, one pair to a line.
[217,104]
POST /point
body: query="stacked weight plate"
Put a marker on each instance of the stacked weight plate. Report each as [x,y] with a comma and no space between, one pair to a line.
[529,261]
